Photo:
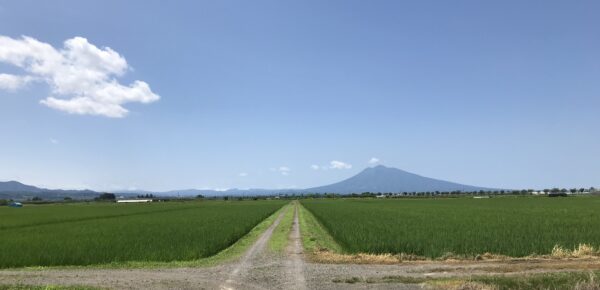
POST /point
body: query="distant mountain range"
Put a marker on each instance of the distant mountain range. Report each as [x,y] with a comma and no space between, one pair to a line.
[373,179]
[17,190]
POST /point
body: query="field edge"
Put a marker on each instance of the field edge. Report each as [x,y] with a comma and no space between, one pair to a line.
[322,247]
[228,254]
[316,240]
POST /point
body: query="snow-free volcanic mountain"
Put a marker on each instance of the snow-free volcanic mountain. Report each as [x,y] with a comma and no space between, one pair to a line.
[387,179]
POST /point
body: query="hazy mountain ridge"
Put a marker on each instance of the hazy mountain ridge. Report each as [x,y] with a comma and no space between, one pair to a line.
[17,190]
[372,179]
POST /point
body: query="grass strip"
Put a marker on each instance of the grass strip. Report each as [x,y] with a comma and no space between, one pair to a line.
[315,237]
[45,287]
[539,281]
[280,237]
[558,281]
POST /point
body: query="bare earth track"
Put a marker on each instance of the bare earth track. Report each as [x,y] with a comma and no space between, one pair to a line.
[260,268]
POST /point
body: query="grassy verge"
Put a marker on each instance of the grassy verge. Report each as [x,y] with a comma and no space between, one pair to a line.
[229,254]
[555,281]
[315,237]
[580,280]
[281,234]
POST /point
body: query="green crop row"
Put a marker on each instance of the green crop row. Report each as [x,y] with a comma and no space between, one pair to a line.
[100,233]
[465,226]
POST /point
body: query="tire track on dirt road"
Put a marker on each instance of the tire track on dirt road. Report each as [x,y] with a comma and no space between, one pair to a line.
[240,275]
[294,263]
[261,268]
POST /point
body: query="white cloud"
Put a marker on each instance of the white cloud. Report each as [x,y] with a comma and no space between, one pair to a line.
[82,77]
[13,82]
[243,174]
[339,165]
[54,141]
[373,160]
[284,170]
[315,167]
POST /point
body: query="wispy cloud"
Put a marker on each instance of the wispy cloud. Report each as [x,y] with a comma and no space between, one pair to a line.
[54,141]
[335,164]
[373,160]
[283,170]
[243,174]
[82,77]
[13,82]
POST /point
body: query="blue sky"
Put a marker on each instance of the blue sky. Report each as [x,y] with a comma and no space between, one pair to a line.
[253,93]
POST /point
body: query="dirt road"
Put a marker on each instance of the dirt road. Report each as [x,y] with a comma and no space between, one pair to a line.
[260,268]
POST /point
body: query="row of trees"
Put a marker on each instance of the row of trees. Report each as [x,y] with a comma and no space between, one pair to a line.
[106,197]
[444,193]
[480,192]
[572,190]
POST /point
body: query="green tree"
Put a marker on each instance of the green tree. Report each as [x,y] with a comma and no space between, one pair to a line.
[106,196]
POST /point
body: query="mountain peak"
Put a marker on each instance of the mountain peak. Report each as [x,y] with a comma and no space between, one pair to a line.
[389,179]
[17,186]
[379,167]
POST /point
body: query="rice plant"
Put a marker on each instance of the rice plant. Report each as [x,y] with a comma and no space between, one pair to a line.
[463,226]
[83,234]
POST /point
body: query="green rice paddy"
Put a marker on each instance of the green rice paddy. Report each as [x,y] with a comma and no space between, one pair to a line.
[512,226]
[97,233]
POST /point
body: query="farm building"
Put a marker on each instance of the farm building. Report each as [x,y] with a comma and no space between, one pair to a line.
[133,200]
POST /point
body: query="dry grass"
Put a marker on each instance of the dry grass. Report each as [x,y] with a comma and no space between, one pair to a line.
[519,266]
[559,280]
[581,252]
[590,284]
[458,285]
[555,280]
[328,257]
